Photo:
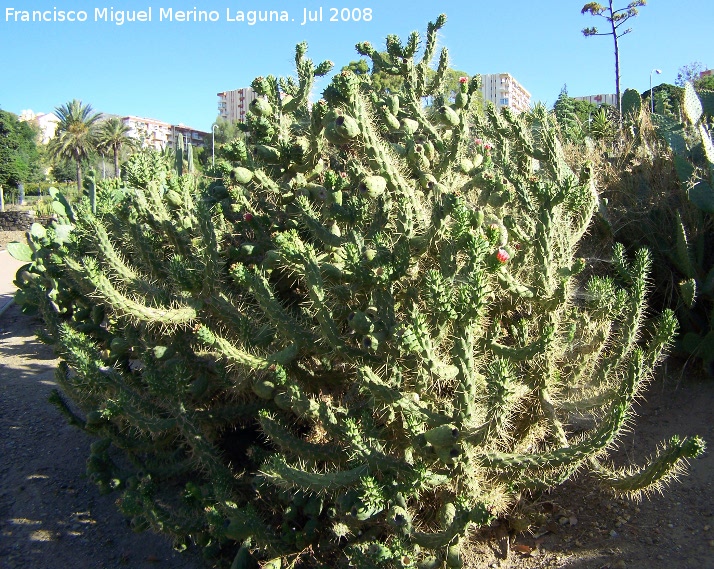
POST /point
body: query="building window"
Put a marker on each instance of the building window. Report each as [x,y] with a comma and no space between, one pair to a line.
[503,101]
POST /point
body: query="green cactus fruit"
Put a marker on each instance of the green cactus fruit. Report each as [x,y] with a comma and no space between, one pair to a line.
[379,553]
[427,182]
[447,116]
[199,386]
[333,136]
[330,115]
[119,346]
[334,198]
[372,186]
[241,175]
[447,514]
[261,107]
[399,518]
[391,122]
[454,558]
[362,512]
[448,455]
[98,314]
[272,260]
[443,435]
[360,322]
[346,127]
[409,126]
[283,401]
[466,166]
[264,389]
[371,341]
[219,192]
[95,418]
[462,100]
[267,154]
[173,198]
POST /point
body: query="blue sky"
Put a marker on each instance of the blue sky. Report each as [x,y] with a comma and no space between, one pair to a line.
[172,71]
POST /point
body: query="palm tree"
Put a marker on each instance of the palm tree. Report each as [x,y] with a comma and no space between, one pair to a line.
[75,137]
[113,136]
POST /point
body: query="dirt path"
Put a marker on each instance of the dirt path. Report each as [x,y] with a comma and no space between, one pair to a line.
[52,517]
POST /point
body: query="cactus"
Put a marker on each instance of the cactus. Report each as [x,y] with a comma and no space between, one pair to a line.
[189,158]
[180,149]
[693,243]
[631,104]
[393,309]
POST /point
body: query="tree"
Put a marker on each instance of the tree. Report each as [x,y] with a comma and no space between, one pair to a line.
[572,114]
[666,97]
[688,73]
[705,83]
[383,81]
[64,170]
[616,18]
[113,135]
[20,160]
[76,135]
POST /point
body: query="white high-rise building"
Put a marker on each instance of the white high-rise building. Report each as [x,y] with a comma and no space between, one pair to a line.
[233,105]
[503,90]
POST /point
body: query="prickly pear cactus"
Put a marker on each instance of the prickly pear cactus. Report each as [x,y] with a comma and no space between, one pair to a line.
[691,248]
[367,338]
[631,104]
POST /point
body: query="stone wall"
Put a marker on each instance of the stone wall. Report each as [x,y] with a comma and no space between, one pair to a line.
[20,220]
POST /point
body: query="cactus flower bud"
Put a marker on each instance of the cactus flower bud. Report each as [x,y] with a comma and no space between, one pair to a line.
[502,255]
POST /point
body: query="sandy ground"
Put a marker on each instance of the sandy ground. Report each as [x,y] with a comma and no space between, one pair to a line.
[9,236]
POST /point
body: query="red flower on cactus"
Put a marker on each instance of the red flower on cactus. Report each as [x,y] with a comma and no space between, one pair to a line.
[488,146]
[478,141]
[247,216]
[463,80]
[502,255]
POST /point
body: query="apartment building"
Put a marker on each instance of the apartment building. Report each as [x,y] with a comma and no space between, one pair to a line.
[46,122]
[504,91]
[151,133]
[159,135]
[233,105]
[197,138]
[609,99]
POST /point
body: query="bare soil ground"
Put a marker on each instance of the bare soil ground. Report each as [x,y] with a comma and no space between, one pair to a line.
[10,236]
[52,517]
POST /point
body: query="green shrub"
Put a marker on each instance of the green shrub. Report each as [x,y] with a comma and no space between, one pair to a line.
[369,338]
